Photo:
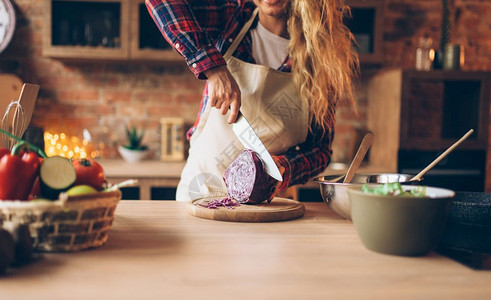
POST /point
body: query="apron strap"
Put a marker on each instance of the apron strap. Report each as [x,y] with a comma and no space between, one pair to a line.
[241,35]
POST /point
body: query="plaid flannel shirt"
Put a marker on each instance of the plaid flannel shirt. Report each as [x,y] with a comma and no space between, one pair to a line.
[201,31]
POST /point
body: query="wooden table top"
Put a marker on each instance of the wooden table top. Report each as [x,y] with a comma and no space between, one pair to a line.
[156,250]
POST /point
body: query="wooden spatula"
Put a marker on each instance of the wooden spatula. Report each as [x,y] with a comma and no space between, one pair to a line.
[366,143]
[27,101]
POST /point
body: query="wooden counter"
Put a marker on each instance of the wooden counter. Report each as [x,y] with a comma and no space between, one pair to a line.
[157,251]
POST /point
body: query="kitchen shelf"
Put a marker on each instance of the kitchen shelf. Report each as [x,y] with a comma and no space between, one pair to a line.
[118,30]
[123,30]
[439,107]
[85,29]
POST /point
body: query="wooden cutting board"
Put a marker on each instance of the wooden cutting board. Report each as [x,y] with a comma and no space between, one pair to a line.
[280,209]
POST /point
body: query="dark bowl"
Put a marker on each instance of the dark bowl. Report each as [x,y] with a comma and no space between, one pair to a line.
[468,226]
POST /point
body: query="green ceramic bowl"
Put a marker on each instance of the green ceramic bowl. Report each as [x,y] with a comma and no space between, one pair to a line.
[400,225]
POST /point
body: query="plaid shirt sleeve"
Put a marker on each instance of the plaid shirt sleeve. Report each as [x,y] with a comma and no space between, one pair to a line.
[307,160]
[192,28]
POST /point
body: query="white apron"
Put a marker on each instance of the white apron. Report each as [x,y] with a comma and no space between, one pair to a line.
[270,102]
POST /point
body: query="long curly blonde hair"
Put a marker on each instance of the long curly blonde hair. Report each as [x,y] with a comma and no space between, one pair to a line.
[323,57]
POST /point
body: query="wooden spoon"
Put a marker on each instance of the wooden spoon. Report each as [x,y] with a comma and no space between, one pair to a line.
[27,100]
[443,155]
[366,143]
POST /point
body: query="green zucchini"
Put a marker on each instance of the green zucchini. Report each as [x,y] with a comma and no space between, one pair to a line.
[56,175]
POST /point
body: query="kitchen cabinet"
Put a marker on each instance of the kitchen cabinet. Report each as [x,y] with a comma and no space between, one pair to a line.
[146,41]
[123,30]
[366,23]
[85,29]
[416,115]
[438,107]
[103,30]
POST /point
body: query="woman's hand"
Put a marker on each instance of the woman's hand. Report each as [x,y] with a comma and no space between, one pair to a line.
[275,184]
[223,92]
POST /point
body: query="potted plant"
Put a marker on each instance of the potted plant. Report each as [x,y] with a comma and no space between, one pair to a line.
[134,150]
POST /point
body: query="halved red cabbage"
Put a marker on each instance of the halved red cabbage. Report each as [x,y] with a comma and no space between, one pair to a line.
[246,179]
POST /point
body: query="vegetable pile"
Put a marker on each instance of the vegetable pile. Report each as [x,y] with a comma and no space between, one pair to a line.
[26,173]
[395,189]
[59,174]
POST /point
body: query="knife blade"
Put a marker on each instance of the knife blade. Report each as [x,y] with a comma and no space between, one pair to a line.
[250,140]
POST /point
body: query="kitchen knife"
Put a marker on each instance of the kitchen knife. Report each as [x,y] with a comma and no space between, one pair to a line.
[249,138]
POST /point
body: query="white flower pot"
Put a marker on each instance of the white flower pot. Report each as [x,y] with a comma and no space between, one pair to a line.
[132,156]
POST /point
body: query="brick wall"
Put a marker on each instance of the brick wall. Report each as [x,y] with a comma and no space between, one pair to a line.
[405,21]
[100,96]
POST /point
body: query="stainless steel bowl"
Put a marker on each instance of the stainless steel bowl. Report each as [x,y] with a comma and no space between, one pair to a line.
[335,194]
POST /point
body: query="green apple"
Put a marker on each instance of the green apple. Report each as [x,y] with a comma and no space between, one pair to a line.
[82,189]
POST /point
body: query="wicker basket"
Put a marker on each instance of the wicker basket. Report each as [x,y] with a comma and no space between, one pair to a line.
[68,224]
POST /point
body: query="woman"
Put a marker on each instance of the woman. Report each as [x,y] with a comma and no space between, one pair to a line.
[283,63]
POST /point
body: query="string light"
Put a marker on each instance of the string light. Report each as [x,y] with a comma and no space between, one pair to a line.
[68,146]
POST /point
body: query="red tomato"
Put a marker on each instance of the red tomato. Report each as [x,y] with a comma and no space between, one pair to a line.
[89,172]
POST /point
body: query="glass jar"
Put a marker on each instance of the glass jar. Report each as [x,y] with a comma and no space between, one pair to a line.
[424,55]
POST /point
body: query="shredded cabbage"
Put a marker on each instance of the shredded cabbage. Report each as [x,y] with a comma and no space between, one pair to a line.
[216,203]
